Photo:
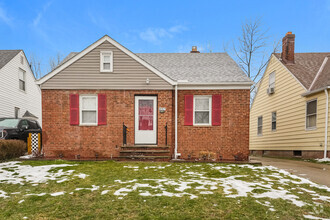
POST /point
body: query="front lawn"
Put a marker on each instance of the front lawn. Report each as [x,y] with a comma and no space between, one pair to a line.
[107,190]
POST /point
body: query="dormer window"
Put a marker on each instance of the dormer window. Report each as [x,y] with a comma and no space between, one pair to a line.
[106,61]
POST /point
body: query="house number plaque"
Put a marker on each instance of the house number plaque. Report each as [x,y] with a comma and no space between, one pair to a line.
[162,109]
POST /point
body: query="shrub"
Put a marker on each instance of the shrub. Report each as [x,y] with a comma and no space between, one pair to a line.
[11,149]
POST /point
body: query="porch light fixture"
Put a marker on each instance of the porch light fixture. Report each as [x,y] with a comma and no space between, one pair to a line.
[147,81]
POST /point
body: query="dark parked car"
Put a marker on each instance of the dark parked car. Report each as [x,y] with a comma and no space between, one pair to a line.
[18,128]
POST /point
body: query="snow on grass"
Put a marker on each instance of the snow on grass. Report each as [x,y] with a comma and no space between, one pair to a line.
[14,173]
[313,217]
[57,193]
[323,160]
[194,181]
[81,175]
[234,186]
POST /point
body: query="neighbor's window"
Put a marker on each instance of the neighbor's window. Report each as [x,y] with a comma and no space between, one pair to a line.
[21,78]
[311,107]
[106,61]
[260,125]
[272,80]
[22,60]
[17,111]
[273,121]
[88,110]
[202,110]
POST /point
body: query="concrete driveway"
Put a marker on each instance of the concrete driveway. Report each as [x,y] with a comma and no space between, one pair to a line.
[318,173]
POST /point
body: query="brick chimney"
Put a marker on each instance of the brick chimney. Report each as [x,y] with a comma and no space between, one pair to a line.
[288,48]
[194,50]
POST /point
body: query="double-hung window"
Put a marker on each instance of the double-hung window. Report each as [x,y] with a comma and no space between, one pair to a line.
[272,80]
[273,121]
[106,61]
[311,111]
[88,109]
[21,79]
[202,110]
[260,125]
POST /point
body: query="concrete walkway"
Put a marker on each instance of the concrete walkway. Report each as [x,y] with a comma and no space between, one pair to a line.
[318,173]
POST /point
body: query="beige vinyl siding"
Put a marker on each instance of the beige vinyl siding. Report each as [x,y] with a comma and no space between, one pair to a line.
[85,73]
[290,107]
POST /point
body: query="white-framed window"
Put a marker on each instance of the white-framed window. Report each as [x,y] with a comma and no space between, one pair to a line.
[272,80]
[311,112]
[21,79]
[273,121]
[260,125]
[88,109]
[22,60]
[106,61]
[202,110]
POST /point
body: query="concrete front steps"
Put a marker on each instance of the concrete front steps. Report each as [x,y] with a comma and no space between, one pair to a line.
[145,153]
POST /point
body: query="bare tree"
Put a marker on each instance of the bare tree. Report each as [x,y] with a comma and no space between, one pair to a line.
[55,61]
[251,49]
[35,65]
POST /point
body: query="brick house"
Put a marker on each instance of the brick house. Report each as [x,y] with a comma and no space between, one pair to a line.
[108,102]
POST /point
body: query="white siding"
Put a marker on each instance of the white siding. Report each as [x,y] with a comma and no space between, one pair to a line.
[10,94]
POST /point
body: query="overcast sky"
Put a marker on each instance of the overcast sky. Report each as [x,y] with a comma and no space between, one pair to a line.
[45,28]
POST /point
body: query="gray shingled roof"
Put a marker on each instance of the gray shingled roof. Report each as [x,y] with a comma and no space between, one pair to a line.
[196,67]
[6,56]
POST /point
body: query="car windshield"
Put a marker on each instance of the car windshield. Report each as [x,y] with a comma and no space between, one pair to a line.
[9,122]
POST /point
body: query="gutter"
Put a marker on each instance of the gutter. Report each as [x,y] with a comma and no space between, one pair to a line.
[315,91]
[326,123]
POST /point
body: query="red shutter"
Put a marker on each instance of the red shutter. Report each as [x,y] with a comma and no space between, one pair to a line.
[216,110]
[188,109]
[102,109]
[74,109]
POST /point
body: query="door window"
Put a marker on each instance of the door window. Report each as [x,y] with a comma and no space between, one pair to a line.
[146,111]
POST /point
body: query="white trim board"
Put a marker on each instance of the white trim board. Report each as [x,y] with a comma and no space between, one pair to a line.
[319,72]
[93,46]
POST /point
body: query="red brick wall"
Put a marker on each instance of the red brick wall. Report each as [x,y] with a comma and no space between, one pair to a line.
[225,141]
[61,137]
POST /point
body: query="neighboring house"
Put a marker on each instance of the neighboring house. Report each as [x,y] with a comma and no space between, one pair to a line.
[174,105]
[20,96]
[289,115]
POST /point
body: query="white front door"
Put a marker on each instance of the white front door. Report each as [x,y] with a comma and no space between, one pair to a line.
[145,119]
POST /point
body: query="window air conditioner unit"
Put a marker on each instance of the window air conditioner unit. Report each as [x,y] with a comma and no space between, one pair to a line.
[270,90]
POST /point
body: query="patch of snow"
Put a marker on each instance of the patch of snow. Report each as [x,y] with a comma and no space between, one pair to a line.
[206,192]
[29,156]
[313,217]
[3,194]
[327,159]
[14,173]
[21,201]
[33,194]
[104,192]
[57,193]
[81,175]
[62,180]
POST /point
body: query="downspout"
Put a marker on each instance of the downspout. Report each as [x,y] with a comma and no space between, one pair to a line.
[326,122]
[176,123]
